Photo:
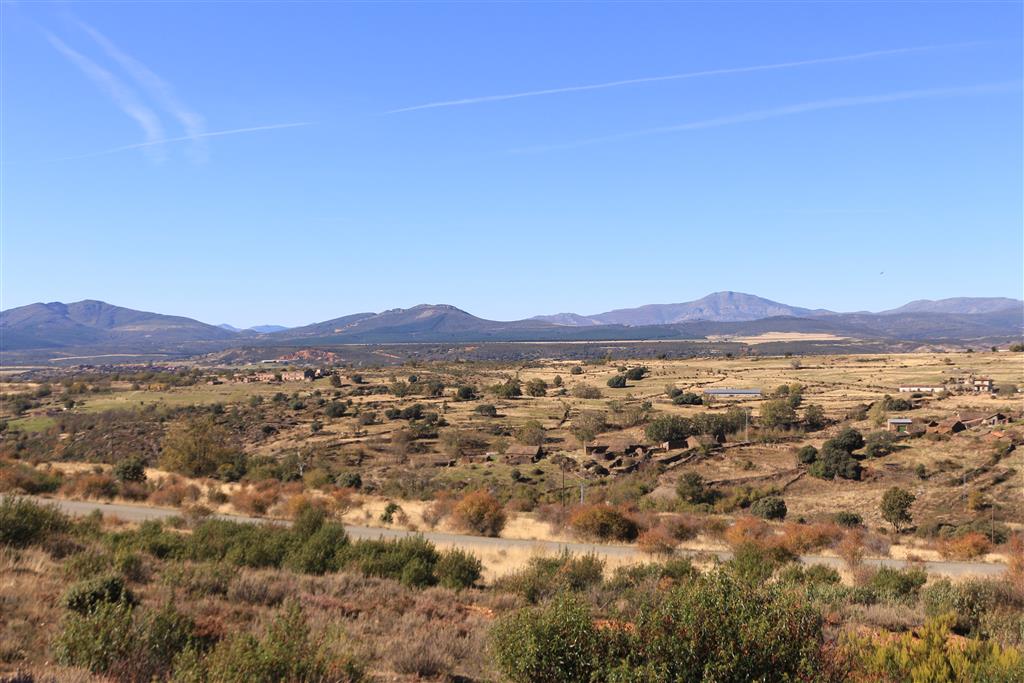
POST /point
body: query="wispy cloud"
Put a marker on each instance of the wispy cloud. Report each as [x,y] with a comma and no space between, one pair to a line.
[677,77]
[790,110]
[158,88]
[188,138]
[122,95]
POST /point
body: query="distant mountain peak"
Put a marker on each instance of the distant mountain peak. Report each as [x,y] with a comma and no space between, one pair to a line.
[724,306]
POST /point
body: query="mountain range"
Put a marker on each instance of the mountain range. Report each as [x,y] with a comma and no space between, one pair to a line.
[103,327]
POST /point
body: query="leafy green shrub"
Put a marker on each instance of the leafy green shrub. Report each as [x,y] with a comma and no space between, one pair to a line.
[719,629]
[94,640]
[769,507]
[286,651]
[617,382]
[931,655]
[807,455]
[687,398]
[847,519]
[544,577]
[636,374]
[486,409]
[554,644]
[755,563]
[603,523]
[130,469]
[457,569]
[971,602]
[86,595]
[691,489]
[898,585]
[24,522]
[388,559]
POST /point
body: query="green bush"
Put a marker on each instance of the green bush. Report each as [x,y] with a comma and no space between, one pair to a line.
[320,552]
[94,640]
[457,569]
[807,455]
[896,585]
[755,564]
[972,602]
[713,628]
[554,644]
[847,519]
[389,559]
[130,469]
[769,507]
[21,478]
[617,382]
[687,398]
[24,522]
[85,596]
[286,651]
[544,577]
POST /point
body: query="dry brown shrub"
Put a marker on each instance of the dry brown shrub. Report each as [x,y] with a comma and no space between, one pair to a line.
[131,490]
[438,510]
[479,512]
[965,547]
[603,523]
[748,529]
[681,527]
[168,495]
[804,538]
[255,500]
[256,588]
[851,548]
[341,499]
[657,541]
[91,486]
[553,514]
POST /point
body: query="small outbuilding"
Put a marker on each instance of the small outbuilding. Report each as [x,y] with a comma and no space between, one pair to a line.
[900,425]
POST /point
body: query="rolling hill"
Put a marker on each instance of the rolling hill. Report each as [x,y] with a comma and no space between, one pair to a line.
[96,323]
[102,328]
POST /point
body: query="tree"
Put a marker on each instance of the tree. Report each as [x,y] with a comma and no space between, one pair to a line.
[486,409]
[617,382]
[531,433]
[576,370]
[777,413]
[510,388]
[847,440]
[691,489]
[814,417]
[687,398]
[636,374]
[536,387]
[587,425]
[201,448]
[895,507]
[878,444]
[465,393]
[669,428]
[335,380]
[557,381]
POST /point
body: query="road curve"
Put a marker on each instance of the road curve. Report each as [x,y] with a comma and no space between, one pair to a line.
[140,513]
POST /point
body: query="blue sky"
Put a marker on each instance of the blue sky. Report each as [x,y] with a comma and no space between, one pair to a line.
[839,155]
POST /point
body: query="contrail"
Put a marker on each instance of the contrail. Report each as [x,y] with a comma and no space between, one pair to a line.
[676,77]
[790,110]
[187,138]
[157,87]
[120,93]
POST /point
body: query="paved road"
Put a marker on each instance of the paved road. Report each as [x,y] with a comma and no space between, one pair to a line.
[139,513]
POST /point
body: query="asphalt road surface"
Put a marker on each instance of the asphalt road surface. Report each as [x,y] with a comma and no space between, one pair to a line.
[140,513]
